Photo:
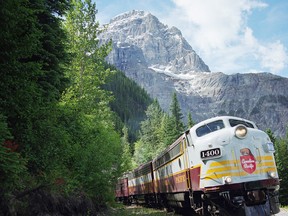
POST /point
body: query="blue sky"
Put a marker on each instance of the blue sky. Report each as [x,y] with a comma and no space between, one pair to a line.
[231,36]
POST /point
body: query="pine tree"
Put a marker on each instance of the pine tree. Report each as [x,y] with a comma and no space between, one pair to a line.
[158,131]
[168,131]
[12,166]
[190,121]
[176,114]
[19,42]
[271,136]
[31,59]
[127,94]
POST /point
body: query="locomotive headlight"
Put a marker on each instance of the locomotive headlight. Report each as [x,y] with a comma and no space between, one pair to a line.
[271,174]
[240,131]
[227,179]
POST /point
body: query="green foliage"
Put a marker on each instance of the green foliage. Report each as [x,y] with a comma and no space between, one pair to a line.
[140,152]
[86,69]
[49,148]
[150,142]
[130,101]
[19,41]
[12,165]
[66,134]
[172,125]
[190,121]
[168,130]
[95,145]
[271,135]
[96,151]
[176,114]
[32,79]
[4,132]
[281,157]
[158,131]
[126,156]
[93,152]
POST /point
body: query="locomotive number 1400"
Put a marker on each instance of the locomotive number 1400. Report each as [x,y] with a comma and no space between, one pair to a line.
[211,153]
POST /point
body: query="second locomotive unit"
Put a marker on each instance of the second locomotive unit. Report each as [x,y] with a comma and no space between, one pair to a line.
[221,166]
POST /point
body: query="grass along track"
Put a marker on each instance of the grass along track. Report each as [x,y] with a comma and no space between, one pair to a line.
[122,210]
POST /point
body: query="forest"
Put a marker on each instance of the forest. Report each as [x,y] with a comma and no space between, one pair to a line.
[67,129]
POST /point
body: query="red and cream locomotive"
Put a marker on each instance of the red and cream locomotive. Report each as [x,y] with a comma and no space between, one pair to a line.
[221,166]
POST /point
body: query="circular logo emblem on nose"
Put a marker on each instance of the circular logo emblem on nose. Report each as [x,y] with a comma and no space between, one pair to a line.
[248,161]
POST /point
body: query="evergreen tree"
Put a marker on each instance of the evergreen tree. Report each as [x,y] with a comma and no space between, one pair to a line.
[32,52]
[12,165]
[51,54]
[19,42]
[190,121]
[127,94]
[168,130]
[271,136]
[176,115]
[158,131]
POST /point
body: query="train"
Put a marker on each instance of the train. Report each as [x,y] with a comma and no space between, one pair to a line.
[224,165]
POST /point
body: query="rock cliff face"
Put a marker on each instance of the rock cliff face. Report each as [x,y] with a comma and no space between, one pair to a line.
[139,38]
[160,60]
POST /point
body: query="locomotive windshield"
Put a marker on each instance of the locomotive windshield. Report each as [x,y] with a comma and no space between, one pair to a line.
[210,127]
[234,122]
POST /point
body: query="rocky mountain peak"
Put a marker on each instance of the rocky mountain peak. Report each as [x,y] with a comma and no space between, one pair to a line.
[134,14]
[160,47]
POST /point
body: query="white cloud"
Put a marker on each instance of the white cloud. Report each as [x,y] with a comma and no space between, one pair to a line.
[273,56]
[218,31]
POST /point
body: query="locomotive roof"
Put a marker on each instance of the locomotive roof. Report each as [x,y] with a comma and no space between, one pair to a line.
[222,118]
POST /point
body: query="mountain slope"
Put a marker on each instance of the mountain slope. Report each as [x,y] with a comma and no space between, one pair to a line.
[127,94]
[161,61]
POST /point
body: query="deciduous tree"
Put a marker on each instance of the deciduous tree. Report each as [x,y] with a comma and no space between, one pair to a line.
[95,144]
[126,155]
[151,139]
